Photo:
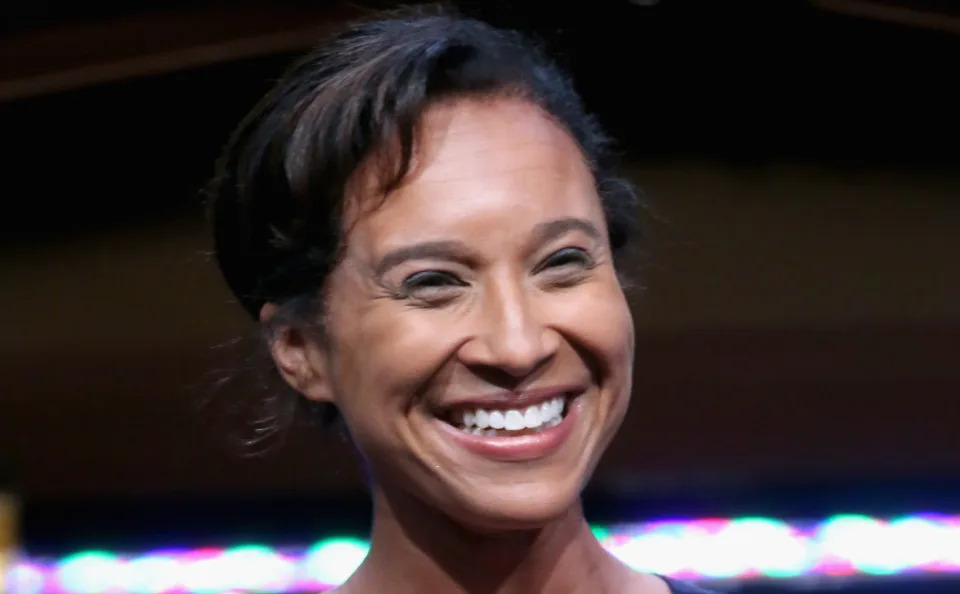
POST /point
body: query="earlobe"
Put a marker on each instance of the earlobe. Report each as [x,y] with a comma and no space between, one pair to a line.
[299,359]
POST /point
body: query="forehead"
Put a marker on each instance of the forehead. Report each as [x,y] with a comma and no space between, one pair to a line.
[496,136]
[477,163]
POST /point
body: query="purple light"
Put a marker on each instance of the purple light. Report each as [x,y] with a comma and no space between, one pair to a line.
[728,549]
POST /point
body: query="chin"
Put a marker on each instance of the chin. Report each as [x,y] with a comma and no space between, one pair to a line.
[525,506]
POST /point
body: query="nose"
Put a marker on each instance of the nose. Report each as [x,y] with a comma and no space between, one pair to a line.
[510,334]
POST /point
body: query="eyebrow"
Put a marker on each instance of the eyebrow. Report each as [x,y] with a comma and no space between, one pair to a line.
[439,250]
[552,229]
[457,250]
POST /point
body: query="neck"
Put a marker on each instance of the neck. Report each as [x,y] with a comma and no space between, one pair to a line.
[420,550]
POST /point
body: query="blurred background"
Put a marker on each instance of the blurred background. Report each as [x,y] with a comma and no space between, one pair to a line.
[796,409]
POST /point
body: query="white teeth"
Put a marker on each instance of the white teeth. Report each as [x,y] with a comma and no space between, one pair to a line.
[514,421]
[483,422]
[531,417]
[546,409]
[482,419]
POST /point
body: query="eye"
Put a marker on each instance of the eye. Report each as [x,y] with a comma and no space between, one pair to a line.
[567,257]
[566,267]
[431,285]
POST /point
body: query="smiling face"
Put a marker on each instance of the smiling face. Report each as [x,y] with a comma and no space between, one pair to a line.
[479,345]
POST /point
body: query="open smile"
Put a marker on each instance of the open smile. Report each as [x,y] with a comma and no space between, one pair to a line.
[513,430]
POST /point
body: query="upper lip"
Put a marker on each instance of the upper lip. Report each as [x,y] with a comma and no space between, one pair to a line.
[513,398]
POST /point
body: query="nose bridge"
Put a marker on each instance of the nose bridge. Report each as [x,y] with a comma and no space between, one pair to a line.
[512,330]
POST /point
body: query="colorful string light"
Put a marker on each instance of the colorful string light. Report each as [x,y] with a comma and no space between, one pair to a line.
[706,549]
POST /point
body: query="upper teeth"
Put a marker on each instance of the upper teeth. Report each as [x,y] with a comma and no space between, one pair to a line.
[514,419]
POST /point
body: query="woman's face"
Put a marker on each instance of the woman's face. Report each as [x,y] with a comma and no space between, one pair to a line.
[479,343]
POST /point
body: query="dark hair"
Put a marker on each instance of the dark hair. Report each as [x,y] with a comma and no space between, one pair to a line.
[277,197]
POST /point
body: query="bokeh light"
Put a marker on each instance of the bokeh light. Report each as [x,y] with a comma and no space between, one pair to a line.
[738,549]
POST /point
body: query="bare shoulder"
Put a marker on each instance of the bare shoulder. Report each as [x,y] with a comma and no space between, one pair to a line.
[649,583]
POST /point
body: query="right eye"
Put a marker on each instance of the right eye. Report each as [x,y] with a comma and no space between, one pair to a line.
[431,285]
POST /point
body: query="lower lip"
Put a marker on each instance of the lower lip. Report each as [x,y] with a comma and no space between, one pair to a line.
[521,447]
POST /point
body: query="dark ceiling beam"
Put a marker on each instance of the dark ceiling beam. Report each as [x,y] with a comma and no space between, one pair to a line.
[77,55]
[922,15]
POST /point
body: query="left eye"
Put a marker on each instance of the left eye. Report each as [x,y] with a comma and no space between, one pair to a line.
[567,257]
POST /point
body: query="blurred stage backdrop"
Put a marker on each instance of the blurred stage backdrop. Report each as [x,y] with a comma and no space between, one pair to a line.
[795,425]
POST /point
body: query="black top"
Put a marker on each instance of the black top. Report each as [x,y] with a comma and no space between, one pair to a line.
[685,587]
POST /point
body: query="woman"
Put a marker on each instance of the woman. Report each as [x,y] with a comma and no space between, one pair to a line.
[423,220]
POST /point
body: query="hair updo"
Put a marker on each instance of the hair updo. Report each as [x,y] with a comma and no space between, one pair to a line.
[277,198]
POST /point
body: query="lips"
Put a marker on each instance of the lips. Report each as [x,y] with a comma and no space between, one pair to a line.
[514,428]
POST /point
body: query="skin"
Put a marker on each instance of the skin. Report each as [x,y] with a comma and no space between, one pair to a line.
[515,291]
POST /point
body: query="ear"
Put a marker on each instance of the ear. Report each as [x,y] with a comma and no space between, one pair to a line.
[301,360]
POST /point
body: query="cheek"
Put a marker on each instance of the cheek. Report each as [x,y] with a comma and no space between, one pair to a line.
[598,321]
[609,334]
[385,360]
[385,356]
[599,326]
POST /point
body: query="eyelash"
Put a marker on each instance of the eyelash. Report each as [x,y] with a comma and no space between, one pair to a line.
[421,280]
[562,257]
[426,281]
